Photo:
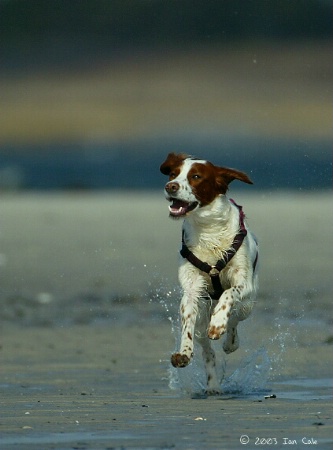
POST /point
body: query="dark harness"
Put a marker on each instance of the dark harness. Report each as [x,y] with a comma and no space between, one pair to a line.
[214,271]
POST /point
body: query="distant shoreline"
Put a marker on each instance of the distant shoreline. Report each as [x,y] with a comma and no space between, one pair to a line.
[274,164]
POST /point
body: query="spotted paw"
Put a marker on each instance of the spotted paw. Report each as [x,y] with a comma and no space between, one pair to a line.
[215,332]
[179,360]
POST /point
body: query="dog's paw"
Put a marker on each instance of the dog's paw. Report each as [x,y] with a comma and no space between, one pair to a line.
[231,343]
[179,360]
[213,391]
[215,332]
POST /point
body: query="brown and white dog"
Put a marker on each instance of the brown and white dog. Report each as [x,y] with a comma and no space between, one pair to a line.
[218,267]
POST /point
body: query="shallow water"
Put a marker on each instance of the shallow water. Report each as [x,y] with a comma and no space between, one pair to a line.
[267,359]
[305,389]
[103,360]
[66,438]
[96,387]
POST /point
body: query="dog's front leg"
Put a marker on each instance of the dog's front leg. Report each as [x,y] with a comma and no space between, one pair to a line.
[234,305]
[188,314]
[222,312]
[192,285]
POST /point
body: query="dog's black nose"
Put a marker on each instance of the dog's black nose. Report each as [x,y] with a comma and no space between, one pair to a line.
[172,187]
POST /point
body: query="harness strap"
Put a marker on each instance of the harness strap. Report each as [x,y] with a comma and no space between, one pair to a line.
[214,271]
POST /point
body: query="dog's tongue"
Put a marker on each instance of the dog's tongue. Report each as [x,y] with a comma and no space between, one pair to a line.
[178,208]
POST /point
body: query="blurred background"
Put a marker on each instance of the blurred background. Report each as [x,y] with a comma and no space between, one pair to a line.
[95,93]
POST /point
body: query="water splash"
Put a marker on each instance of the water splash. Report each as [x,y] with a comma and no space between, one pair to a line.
[252,375]
[283,337]
[254,371]
[188,380]
[166,297]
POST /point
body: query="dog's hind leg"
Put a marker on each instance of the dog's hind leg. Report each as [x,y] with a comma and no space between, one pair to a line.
[208,354]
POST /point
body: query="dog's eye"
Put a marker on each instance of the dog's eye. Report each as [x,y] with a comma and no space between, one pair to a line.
[172,175]
[196,177]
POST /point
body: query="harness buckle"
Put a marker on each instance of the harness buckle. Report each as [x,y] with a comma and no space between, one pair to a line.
[213,272]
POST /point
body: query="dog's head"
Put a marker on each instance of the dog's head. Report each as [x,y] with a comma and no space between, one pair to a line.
[194,183]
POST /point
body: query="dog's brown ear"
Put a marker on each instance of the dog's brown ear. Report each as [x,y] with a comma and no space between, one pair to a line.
[226,176]
[173,160]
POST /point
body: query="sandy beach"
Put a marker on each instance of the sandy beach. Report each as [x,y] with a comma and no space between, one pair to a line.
[89,294]
[89,299]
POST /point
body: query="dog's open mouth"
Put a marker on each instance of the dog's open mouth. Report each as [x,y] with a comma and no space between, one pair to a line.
[180,208]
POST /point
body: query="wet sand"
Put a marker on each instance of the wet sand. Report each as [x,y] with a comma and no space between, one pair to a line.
[88,282]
